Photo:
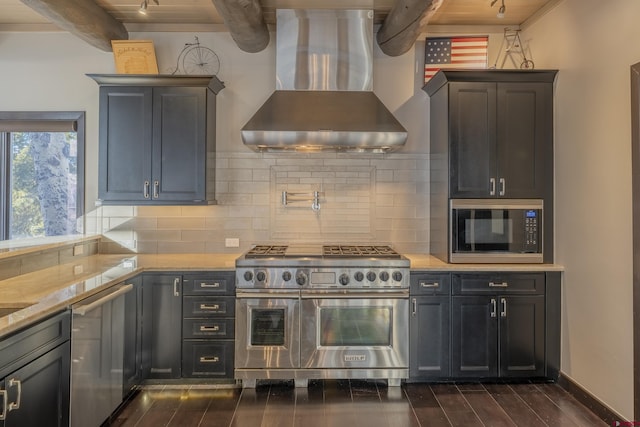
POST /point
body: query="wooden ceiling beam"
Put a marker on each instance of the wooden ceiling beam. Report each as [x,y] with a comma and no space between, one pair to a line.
[82,18]
[402,27]
[245,22]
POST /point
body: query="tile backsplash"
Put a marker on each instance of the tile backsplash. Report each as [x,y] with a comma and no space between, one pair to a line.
[365,198]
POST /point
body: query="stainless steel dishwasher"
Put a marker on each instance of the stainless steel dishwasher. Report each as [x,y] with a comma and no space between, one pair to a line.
[97,356]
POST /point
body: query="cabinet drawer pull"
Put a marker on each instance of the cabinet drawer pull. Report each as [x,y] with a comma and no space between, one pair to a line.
[503,313]
[209,359]
[156,189]
[3,415]
[492,186]
[494,307]
[210,285]
[15,405]
[146,189]
[414,307]
[424,284]
[498,285]
[205,328]
[503,186]
[209,307]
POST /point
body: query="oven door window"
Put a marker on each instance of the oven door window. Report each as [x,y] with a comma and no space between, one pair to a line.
[355,326]
[268,327]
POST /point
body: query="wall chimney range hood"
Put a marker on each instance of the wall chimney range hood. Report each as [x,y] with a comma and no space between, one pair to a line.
[324,96]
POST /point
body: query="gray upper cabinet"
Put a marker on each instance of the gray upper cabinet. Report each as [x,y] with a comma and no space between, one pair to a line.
[492,131]
[156,133]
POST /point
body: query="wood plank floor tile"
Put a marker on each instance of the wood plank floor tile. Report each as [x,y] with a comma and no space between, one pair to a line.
[343,403]
[455,406]
[514,406]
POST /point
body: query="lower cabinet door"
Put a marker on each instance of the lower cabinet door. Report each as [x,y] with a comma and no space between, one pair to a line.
[522,343]
[38,393]
[429,332]
[474,346]
[208,359]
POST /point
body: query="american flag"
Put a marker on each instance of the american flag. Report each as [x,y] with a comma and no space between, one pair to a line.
[454,52]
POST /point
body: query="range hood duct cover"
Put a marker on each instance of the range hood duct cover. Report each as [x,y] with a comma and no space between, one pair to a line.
[324,98]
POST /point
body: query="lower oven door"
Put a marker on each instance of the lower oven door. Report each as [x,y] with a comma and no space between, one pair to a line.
[267,330]
[359,330]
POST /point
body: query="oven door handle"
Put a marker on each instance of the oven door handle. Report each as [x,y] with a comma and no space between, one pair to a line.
[267,294]
[355,294]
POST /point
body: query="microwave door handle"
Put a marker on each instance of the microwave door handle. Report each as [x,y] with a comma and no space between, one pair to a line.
[492,186]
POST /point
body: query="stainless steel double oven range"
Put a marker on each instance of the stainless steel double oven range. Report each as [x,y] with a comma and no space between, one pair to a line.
[306,312]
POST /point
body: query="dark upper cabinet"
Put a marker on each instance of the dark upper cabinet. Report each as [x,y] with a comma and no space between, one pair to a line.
[492,132]
[156,133]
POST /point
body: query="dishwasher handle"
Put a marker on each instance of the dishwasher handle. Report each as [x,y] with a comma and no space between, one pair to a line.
[84,309]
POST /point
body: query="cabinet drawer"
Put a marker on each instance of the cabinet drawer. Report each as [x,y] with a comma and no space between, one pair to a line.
[430,283]
[208,328]
[209,284]
[212,359]
[193,306]
[34,341]
[499,283]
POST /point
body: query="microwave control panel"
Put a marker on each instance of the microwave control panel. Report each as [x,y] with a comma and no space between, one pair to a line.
[531,229]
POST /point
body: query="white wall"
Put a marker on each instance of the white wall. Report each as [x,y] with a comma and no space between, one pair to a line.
[593,43]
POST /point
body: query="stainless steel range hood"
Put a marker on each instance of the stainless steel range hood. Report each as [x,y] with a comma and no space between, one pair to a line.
[324,96]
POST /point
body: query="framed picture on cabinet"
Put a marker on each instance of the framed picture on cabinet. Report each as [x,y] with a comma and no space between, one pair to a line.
[134,56]
[462,52]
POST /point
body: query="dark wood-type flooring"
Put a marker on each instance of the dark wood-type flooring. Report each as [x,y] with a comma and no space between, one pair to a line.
[338,403]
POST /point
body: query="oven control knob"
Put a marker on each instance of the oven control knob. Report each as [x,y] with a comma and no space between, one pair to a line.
[384,276]
[371,276]
[261,276]
[344,279]
[301,278]
[286,276]
[397,276]
[248,276]
[358,276]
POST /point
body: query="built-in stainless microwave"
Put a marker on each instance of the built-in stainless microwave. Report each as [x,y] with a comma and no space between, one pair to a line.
[495,231]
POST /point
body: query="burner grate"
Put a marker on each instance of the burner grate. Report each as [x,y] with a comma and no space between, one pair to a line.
[359,251]
[260,251]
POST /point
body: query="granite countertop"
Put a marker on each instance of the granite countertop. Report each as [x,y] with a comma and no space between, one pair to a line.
[41,293]
[50,290]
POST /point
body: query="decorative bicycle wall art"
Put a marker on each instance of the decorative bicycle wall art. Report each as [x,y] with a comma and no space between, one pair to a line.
[196,59]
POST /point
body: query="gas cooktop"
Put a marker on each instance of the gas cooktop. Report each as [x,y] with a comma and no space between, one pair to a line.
[324,251]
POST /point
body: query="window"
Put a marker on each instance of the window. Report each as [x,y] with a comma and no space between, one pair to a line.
[42,178]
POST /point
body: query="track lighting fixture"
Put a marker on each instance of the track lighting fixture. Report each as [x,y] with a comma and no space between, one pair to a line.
[145,4]
[501,10]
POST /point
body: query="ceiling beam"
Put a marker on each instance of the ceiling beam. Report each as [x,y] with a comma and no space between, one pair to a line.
[404,24]
[245,22]
[82,18]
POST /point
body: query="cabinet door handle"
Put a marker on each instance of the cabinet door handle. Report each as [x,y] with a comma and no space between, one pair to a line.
[146,189]
[498,285]
[209,307]
[205,328]
[209,285]
[503,186]
[176,287]
[503,313]
[429,285]
[209,359]
[414,307]
[156,189]
[15,405]
[492,186]
[3,415]
[494,307]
